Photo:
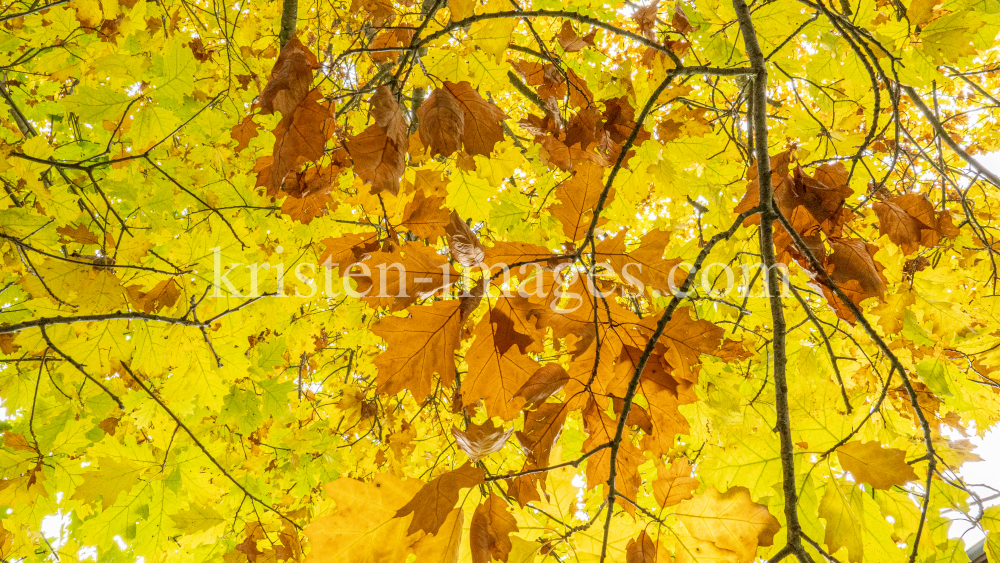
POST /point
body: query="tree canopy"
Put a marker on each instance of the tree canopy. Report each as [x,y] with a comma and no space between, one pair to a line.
[390,281]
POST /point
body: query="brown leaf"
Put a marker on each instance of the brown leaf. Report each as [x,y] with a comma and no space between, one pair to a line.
[571,42]
[496,369]
[578,196]
[645,16]
[490,530]
[291,79]
[879,467]
[299,138]
[379,151]
[481,440]
[910,221]
[644,550]
[541,430]
[426,217]
[482,119]
[680,22]
[79,234]
[305,209]
[442,123]
[853,260]
[163,295]
[463,244]
[417,347]
[435,500]
[674,483]
[730,520]
[544,383]
[243,132]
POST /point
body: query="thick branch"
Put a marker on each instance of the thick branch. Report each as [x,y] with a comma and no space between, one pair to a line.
[773,280]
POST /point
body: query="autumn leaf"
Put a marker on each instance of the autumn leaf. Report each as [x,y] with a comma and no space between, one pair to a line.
[644,550]
[481,440]
[674,483]
[730,520]
[442,122]
[571,42]
[482,119]
[417,348]
[490,529]
[463,243]
[435,500]
[545,382]
[379,151]
[880,467]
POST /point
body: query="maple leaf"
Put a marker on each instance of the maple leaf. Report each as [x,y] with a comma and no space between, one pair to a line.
[363,528]
[601,430]
[417,348]
[436,499]
[645,16]
[481,440]
[490,529]
[880,467]
[730,520]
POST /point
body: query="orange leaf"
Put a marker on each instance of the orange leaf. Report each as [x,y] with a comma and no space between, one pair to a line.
[490,529]
[435,500]
[482,119]
[674,484]
[545,382]
[417,347]
[578,196]
[442,122]
[425,216]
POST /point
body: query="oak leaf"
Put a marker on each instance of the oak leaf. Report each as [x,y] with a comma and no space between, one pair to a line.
[571,42]
[425,216]
[436,499]
[674,483]
[490,530]
[643,549]
[910,221]
[578,196]
[442,122]
[378,152]
[545,382]
[417,347]
[730,520]
[481,440]
[483,127]
[869,462]
[463,244]
[291,79]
